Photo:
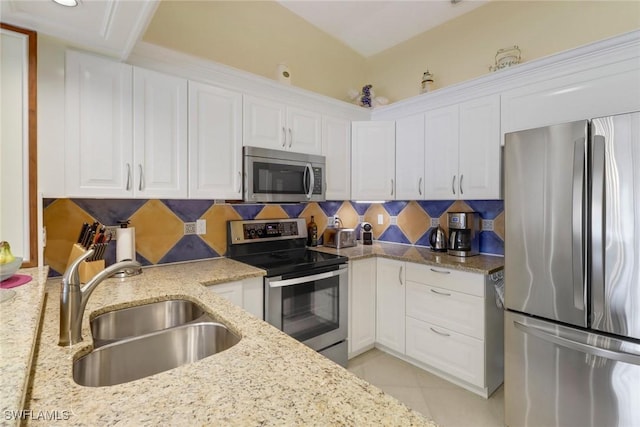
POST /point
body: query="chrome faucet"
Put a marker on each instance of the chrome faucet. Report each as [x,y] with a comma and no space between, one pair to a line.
[73,299]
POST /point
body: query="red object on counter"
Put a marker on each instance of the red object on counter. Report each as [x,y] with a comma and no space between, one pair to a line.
[15,280]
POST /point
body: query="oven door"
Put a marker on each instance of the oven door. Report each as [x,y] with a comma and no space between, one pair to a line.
[283,180]
[311,308]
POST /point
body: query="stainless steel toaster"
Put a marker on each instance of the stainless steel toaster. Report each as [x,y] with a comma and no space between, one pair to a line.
[339,237]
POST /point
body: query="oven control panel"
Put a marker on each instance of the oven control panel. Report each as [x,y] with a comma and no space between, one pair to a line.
[279,229]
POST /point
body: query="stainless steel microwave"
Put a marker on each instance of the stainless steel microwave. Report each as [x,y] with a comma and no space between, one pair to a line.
[283,176]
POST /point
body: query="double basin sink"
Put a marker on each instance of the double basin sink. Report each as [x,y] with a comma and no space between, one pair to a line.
[141,341]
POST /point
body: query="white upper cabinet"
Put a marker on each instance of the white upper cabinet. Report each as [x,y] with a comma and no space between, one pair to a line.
[98,127]
[441,153]
[126,130]
[410,158]
[215,142]
[336,147]
[479,149]
[160,134]
[462,150]
[373,160]
[269,124]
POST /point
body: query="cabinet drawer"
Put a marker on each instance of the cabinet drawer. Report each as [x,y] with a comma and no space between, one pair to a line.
[459,281]
[456,311]
[456,354]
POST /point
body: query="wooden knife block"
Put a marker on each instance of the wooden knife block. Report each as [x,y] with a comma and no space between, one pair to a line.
[87,269]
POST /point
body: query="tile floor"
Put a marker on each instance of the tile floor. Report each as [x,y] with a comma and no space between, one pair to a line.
[446,403]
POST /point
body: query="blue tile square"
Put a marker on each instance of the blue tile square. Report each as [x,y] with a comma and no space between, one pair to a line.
[435,208]
[394,234]
[488,209]
[188,210]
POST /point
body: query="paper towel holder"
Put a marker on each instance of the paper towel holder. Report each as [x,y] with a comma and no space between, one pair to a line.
[124,224]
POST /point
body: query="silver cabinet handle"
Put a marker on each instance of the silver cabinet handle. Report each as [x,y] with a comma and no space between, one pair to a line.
[453,185]
[461,192]
[128,177]
[440,271]
[239,182]
[392,187]
[420,186]
[440,333]
[284,137]
[141,184]
[444,294]
[400,276]
[290,137]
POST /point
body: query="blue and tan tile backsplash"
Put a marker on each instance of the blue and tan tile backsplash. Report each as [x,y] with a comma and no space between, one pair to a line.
[159,224]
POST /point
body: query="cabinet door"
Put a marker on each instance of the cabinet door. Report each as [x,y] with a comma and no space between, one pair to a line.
[98,126]
[336,147]
[362,305]
[215,142]
[373,160]
[441,153]
[263,123]
[304,131]
[160,134]
[410,158]
[390,304]
[453,353]
[231,291]
[479,169]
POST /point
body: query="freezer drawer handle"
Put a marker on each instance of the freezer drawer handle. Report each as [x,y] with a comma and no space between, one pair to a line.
[578,346]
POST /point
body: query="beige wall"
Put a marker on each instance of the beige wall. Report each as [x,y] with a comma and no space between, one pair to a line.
[464,48]
[256,36]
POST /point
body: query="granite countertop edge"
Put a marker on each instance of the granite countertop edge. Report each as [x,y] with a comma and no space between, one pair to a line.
[482,263]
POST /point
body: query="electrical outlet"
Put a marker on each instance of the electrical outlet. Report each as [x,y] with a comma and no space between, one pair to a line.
[435,222]
[201,226]
[487,225]
[190,228]
[111,229]
[360,219]
[380,219]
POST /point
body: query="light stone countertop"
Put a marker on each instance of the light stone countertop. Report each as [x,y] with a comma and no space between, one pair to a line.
[19,322]
[483,264]
[268,378]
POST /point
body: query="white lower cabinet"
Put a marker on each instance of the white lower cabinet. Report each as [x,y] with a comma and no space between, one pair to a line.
[390,304]
[453,326]
[246,293]
[362,306]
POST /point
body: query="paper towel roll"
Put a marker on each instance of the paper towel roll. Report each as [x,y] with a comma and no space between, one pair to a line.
[125,244]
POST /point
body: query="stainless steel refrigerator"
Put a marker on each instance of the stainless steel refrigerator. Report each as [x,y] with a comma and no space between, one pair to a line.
[572,274]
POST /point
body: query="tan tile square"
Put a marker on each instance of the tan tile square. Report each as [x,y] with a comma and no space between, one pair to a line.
[371,216]
[413,221]
[157,230]
[320,217]
[217,217]
[498,225]
[272,212]
[63,220]
[348,215]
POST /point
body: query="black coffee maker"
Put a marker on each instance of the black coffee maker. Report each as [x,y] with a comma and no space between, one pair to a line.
[464,234]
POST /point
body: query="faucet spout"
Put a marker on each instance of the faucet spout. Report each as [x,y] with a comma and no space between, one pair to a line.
[73,299]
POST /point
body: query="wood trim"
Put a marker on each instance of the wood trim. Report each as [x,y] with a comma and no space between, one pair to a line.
[33,142]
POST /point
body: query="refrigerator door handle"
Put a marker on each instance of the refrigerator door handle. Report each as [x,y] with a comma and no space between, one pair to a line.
[597,228]
[577,222]
[557,338]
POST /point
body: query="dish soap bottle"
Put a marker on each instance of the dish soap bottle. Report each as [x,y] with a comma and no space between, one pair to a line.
[312,233]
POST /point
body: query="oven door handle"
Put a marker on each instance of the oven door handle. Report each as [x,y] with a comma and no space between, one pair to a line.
[306,279]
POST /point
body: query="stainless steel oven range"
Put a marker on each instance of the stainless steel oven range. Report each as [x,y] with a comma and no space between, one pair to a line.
[305,291]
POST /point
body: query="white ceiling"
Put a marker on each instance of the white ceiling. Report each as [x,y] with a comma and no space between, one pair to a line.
[369,27]
[111,27]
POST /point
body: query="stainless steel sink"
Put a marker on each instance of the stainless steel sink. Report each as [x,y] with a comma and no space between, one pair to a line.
[149,354]
[143,319]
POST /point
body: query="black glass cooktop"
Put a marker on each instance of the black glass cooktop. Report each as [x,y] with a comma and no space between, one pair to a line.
[293,261]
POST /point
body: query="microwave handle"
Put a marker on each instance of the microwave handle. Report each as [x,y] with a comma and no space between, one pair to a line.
[309,170]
